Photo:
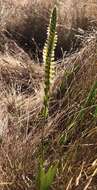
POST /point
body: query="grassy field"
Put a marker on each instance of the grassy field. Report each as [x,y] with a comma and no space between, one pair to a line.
[68,136]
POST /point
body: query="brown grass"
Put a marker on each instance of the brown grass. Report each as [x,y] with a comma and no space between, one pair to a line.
[27,23]
[21,86]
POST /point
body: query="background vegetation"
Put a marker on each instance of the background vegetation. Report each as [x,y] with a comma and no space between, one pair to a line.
[70,132]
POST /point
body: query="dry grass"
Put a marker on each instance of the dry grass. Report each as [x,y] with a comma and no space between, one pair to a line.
[24,22]
[21,86]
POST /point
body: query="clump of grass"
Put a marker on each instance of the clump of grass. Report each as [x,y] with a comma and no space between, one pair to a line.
[20,149]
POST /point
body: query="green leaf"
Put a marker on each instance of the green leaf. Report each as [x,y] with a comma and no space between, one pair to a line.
[51,174]
[45,179]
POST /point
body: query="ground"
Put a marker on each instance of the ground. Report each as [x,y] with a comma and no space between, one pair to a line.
[69,135]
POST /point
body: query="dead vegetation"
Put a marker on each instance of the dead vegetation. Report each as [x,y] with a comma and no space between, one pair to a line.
[68,138]
[23,23]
